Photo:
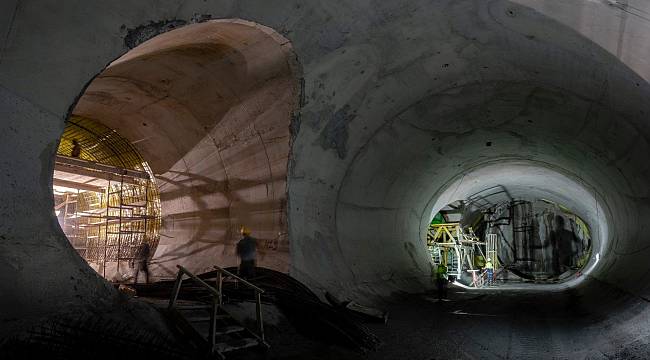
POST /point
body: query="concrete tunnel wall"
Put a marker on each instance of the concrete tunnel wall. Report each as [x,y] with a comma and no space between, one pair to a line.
[400,98]
[416,113]
[209,107]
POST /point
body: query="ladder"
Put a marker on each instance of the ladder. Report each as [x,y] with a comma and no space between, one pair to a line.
[208,324]
[435,254]
[491,249]
[454,267]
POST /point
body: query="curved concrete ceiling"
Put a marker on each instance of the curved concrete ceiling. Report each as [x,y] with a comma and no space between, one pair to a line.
[552,131]
[415,121]
[400,101]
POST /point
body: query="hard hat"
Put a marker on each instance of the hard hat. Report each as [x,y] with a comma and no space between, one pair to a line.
[244,230]
[489,259]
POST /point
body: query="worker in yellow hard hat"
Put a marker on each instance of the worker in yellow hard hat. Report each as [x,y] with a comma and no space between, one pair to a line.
[76,149]
[247,252]
[244,231]
[489,269]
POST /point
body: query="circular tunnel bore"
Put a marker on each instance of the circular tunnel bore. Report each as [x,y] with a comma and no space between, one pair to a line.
[559,87]
[502,108]
[105,198]
[520,205]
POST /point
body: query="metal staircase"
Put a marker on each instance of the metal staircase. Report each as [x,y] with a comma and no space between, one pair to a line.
[207,323]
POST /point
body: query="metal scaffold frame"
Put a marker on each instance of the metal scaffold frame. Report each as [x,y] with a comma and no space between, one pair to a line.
[107,218]
[454,247]
[111,226]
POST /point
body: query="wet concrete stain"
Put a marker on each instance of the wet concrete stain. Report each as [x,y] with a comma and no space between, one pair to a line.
[142,33]
[335,134]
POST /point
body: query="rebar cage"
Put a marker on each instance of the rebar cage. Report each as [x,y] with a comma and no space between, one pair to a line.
[108,227]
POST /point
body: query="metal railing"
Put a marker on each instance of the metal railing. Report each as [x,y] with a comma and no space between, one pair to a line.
[217,300]
[258,297]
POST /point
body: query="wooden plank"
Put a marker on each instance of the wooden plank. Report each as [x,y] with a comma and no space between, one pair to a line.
[202,318]
[228,330]
[236,345]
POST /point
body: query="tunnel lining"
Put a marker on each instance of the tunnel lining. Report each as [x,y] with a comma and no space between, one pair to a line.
[446,134]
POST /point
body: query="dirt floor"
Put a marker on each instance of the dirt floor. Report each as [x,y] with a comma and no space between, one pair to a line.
[498,323]
[495,324]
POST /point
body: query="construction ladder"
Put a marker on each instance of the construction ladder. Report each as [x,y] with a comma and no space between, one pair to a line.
[210,326]
[491,249]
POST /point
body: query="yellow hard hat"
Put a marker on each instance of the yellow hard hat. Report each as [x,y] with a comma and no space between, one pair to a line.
[244,230]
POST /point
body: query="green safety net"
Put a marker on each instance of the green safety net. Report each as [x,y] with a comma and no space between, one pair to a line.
[438,219]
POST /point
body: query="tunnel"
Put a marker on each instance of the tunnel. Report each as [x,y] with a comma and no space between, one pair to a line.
[209,107]
[336,131]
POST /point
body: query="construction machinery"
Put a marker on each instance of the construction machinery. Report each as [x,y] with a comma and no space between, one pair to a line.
[460,250]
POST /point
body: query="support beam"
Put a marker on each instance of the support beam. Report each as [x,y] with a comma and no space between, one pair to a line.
[92,173]
[75,162]
[76,185]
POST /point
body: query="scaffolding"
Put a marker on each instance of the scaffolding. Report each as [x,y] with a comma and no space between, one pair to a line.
[491,249]
[454,247]
[111,226]
[110,204]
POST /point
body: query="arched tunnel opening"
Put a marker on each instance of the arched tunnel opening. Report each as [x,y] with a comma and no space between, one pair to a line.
[105,198]
[209,106]
[514,213]
[519,124]
[524,240]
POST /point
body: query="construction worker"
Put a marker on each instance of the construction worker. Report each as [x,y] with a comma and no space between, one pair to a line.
[489,269]
[246,250]
[441,281]
[140,262]
[76,149]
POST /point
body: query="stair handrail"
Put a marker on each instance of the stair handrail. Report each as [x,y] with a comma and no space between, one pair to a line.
[179,279]
[244,281]
[258,298]
[216,302]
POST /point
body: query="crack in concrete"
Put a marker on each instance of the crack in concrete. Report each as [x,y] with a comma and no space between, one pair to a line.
[229,232]
[268,162]
[9,31]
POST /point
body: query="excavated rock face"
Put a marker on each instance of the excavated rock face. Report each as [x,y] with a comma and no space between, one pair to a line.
[399,102]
